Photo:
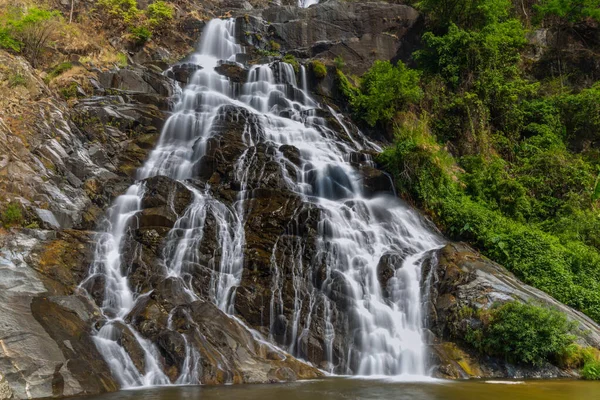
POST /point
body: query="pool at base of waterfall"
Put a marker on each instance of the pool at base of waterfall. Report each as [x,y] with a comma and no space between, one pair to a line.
[337,388]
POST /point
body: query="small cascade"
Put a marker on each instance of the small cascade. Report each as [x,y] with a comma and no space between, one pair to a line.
[355,231]
[307,3]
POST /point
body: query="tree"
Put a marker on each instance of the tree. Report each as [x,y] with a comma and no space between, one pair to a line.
[29,31]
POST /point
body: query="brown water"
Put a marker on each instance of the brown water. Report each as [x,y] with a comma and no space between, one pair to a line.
[358,389]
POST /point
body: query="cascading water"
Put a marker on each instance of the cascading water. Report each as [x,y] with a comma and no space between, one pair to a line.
[354,230]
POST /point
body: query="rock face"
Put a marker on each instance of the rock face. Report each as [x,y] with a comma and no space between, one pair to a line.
[46,346]
[62,166]
[458,278]
[359,32]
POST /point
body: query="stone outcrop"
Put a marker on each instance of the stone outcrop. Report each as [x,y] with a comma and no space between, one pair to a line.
[358,32]
[46,347]
[62,165]
[458,279]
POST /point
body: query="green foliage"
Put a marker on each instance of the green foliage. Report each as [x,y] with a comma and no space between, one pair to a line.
[59,70]
[141,25]
[125,11]
[290,59]
[384,90]
[570,11]
[69,91]
[581,116]
[12,215]
[140,34]
[159,14]
[424,169]
[524,334]
[575,356]
[339,62]
[16,79]
[28,31]
[596,193]
[493,158]
[274,45]
[122,60]
[347,89]
[591,370]
[7,41]
[469,14]
[319,69]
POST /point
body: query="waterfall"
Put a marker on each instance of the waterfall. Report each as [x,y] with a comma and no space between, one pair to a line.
[307,3]
[355,231]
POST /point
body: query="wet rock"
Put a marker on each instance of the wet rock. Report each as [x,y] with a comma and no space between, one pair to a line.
[376,181]
[162,192]
[234,72]
[183,72]
[359,32]
[128,341]
[68,322]
[172,347]
[387,266]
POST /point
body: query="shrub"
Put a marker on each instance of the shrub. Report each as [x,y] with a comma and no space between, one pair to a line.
[575,356]
[569,11]
[386,89]
[122,60]
[159,14]
[140,34]
[7,41]
[274,45]
[525,334]
[591,370]
[12,215]
[319,69]
[423,169]
[28,31]
[120,11]
[69,91]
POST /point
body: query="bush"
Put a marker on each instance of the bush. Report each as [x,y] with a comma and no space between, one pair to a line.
[386,89]
[12,215]
[28,31]
[591,370]
[120,11]
[69,91]
[140,34]
[7,41]
[319,69]
[575,356]
[423,169]
[159,14]
[569,11]
[465,13]
[274,45]
[524,334]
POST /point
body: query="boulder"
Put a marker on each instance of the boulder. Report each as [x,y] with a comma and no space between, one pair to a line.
[233,71]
